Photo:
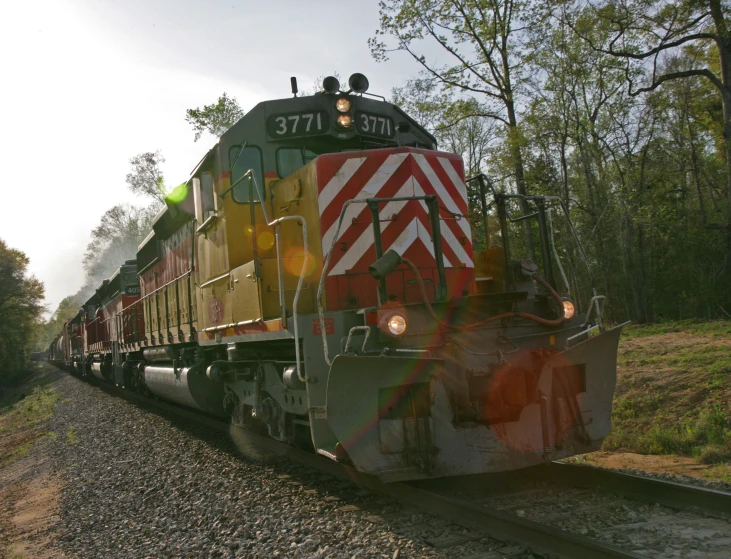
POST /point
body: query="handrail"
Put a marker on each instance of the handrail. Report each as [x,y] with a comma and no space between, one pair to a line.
[369,201]
[594,305]
[276,223]
[168,284]
[320,310]
[127,313]
[366,329]
[214,280]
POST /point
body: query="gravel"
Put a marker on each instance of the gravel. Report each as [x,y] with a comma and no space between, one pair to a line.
[649,530]
[141,484]
[144,484]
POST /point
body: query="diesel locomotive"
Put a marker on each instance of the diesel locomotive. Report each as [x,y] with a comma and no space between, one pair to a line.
[316,278]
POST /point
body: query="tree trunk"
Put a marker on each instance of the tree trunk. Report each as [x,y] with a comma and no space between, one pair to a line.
[517,157]
[727,141]
[724,52]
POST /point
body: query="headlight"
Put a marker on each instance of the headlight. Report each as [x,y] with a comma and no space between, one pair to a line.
[568,309]
[345,121]
[342,105]
[396,324]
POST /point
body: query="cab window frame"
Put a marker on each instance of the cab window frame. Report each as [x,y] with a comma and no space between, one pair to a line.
[292,148]
[243,187]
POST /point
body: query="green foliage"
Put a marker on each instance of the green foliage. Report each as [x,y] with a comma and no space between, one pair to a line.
[215,118]
[20,310]
[707,438]
[643,175]
[33,408]
[673,387]
[146,176]
[72,436]
[24,412]
[67,309]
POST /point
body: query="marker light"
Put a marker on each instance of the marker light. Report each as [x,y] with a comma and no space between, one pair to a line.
[345,121]
[396,325]
[342,105]
[568,309]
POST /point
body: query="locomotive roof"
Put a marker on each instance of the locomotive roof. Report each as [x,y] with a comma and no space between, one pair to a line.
[260,125]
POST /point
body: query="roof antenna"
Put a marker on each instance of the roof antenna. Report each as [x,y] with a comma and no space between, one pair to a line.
[293,81]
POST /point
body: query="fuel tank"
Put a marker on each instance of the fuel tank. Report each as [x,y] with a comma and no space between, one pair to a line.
[187,386]
[102,371]
[96,369]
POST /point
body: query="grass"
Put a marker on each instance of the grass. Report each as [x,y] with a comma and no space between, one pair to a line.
[23,416]
[30,409]
[72,436]
[674,391]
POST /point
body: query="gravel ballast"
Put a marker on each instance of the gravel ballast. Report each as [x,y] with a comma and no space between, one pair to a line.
[142,484]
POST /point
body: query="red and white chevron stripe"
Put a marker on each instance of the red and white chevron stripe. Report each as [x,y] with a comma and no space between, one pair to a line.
[405,226]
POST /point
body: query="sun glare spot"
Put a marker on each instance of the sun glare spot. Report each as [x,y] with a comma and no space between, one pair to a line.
[178,194]
[265,240]
[293,261]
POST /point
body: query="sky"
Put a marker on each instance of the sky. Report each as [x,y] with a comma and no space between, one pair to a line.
[88,84]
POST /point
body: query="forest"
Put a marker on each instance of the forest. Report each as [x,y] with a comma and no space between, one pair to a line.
[21,308]
[622,109]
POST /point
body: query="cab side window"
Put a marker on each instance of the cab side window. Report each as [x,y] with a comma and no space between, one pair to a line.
[241,161]
[291,159]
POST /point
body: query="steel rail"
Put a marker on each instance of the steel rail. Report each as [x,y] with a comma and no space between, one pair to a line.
[492,523]
[668,493]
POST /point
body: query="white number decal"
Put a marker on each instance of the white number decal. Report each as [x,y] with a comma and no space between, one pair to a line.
[282,125]
[365,123]
[296,119]
[383,124]
[373,126]
[290,124]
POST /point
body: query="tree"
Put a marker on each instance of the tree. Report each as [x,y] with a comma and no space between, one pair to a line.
[648,33]
[453,123]
[146,177]
[67,309]
[215,118]
[452,120]
[316,86]
[20,309]
[116,238]
[484,42]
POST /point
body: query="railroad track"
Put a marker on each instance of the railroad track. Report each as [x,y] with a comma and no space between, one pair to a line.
[531,508]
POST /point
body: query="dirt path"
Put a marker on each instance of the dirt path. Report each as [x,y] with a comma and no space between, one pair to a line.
[29,498]
[29,487]
[657,464]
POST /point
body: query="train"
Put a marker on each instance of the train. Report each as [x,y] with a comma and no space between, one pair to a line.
[316,279]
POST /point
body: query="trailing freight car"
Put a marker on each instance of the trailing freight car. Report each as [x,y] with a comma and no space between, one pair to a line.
[316,277]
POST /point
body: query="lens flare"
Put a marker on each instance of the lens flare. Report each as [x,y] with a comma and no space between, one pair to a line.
[178,194]
[265,240]
[292,260]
